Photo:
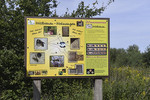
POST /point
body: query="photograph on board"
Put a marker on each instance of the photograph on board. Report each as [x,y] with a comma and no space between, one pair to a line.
[50,30]
[37,58]
[72,56]
[75,43]
[56,61]
[80,23]
[40,43]
[65,31]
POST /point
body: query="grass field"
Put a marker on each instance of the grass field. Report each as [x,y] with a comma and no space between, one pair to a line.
[126,83]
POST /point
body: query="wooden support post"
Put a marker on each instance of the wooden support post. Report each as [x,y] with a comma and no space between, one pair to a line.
[98,93]
[36,89]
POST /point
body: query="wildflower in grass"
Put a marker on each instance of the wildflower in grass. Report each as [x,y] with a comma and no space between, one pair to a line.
[138,75]
[106,80]
[143,93]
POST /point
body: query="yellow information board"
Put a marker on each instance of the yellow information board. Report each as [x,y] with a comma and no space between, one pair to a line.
[66,48]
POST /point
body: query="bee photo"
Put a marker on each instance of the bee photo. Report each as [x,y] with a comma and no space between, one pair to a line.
[37,58]
[40,43]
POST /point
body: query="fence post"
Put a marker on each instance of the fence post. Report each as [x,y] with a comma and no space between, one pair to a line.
[36,89]
[98,89]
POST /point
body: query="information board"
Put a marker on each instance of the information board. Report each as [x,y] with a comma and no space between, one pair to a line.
[66,48]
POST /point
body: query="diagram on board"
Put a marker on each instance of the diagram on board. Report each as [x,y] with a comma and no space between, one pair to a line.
[67,47]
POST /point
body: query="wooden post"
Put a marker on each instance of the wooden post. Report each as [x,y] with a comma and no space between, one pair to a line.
[98,93]
[36,89]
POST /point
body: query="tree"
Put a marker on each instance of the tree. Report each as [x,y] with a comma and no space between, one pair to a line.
[126,57]
[146,57]
[113,56]
[84,11]
[121,58]
[134,56]
[118,57]
[13,83]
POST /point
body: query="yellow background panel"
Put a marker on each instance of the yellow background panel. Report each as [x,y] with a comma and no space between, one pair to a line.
[67,47]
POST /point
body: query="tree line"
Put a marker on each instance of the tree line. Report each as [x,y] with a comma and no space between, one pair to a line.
[130,57]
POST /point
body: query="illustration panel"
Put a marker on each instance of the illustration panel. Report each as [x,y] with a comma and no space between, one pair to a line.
[65,31]
[75,43]
[37,58]
[79,68]
[40,43]
[66,48]
[50,30]
[72,56]
[56,61]
[80,23]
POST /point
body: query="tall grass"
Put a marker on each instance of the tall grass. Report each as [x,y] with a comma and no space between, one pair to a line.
[126,83]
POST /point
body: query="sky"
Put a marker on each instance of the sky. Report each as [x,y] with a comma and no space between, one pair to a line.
[129,20]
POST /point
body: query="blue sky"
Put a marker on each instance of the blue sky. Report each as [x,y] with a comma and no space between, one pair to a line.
[129,21]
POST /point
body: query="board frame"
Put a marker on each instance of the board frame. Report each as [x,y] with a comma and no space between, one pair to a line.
[45,77]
